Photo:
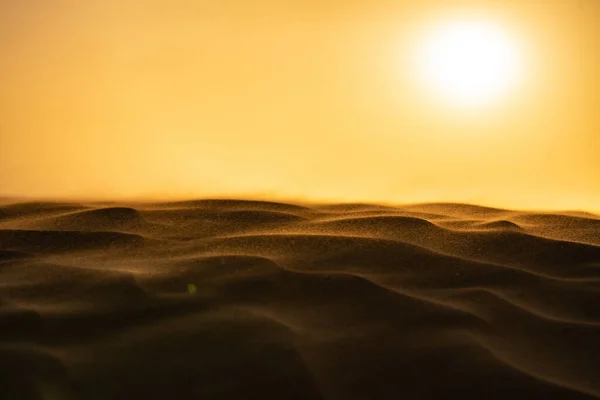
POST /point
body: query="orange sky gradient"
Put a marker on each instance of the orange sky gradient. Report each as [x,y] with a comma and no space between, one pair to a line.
[290,100]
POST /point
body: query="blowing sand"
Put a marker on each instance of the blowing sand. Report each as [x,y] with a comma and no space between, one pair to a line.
[225,299]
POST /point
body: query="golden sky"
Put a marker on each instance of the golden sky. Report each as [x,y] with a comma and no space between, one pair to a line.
[298,99]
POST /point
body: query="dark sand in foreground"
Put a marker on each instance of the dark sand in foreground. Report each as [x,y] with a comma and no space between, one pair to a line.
[224,299]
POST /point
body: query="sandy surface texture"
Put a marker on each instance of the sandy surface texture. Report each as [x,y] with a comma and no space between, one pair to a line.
[228,299]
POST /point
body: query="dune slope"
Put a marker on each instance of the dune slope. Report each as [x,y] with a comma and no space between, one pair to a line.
[234,299]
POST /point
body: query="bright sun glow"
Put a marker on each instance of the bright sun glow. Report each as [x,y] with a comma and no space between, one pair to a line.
[469,62]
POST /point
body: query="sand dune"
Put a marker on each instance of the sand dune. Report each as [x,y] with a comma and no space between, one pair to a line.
[233,299]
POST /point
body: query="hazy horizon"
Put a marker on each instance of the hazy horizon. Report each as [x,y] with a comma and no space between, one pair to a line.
[307,101]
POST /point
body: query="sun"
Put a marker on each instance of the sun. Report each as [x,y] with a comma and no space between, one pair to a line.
[469,62]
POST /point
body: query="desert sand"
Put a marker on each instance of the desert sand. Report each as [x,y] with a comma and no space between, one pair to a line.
[232,299]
